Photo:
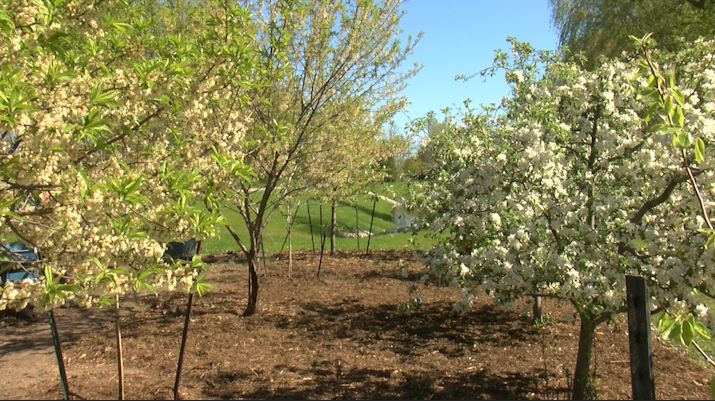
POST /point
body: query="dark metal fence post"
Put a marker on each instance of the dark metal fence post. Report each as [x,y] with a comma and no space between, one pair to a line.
[639,338]
[185,331]
[58,354]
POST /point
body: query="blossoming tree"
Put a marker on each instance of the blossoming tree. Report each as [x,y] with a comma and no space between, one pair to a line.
[123,125]
[574,185]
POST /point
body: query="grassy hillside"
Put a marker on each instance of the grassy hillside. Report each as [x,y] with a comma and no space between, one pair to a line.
[275,233]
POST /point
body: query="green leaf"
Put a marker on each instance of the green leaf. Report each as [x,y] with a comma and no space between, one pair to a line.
[685,139]
[98,97]
[96,262]
[649,94]
[200,286]
[676,333]
[118,271]
[688,332]
[663,128]
[666,324]
[702,330]
[678,117]
[678,96]
[121,26]
[641,72]
[640,243]
[668,107]
[699,150]
[671,79]
[146,273]
[144,285]
[710,241]
[67,287]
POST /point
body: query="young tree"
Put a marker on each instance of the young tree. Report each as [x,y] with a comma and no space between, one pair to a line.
[319,62]
[573,187]
[350,165]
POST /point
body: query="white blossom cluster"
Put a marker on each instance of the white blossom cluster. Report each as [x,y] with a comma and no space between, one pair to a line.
[569,189]
[112,140]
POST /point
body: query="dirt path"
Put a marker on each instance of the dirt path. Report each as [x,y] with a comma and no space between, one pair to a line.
[340,337]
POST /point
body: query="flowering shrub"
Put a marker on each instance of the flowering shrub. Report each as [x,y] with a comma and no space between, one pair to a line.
[573,185]
[124,123]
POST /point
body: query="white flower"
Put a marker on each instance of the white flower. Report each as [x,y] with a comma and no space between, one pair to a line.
[701,310]
[495,219]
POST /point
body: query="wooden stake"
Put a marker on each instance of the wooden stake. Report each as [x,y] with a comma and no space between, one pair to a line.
[120,358]
[639,338]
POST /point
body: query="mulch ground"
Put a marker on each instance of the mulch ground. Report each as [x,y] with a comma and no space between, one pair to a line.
[342,336]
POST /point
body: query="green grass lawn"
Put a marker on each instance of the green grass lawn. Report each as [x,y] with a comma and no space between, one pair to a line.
[275,232]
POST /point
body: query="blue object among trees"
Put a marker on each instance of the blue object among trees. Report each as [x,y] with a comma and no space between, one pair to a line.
[182,250]
[13,271]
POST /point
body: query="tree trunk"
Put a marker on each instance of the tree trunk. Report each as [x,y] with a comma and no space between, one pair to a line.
[536,309]
[582,386]
[333,223]
[357,225]
[322,248]
[310,224]
[290,243]
[369,232]
[252,284]
[120,354]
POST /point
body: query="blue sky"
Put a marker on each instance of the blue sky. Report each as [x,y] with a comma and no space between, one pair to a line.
[459,37]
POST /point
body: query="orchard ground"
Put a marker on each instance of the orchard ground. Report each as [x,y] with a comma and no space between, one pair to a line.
[341,336]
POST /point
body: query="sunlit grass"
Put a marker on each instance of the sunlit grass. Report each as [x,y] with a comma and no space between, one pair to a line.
[306,229]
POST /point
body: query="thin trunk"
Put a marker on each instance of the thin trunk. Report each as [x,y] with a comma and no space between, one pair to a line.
[536,309]
[252,284]
[290,242]
[369,234]
[182,348]
[185,332]
[582,386]
[310,224]
[120,357]
[58,354]
[322,249]
[333,223]
[357,225]
[251,256]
